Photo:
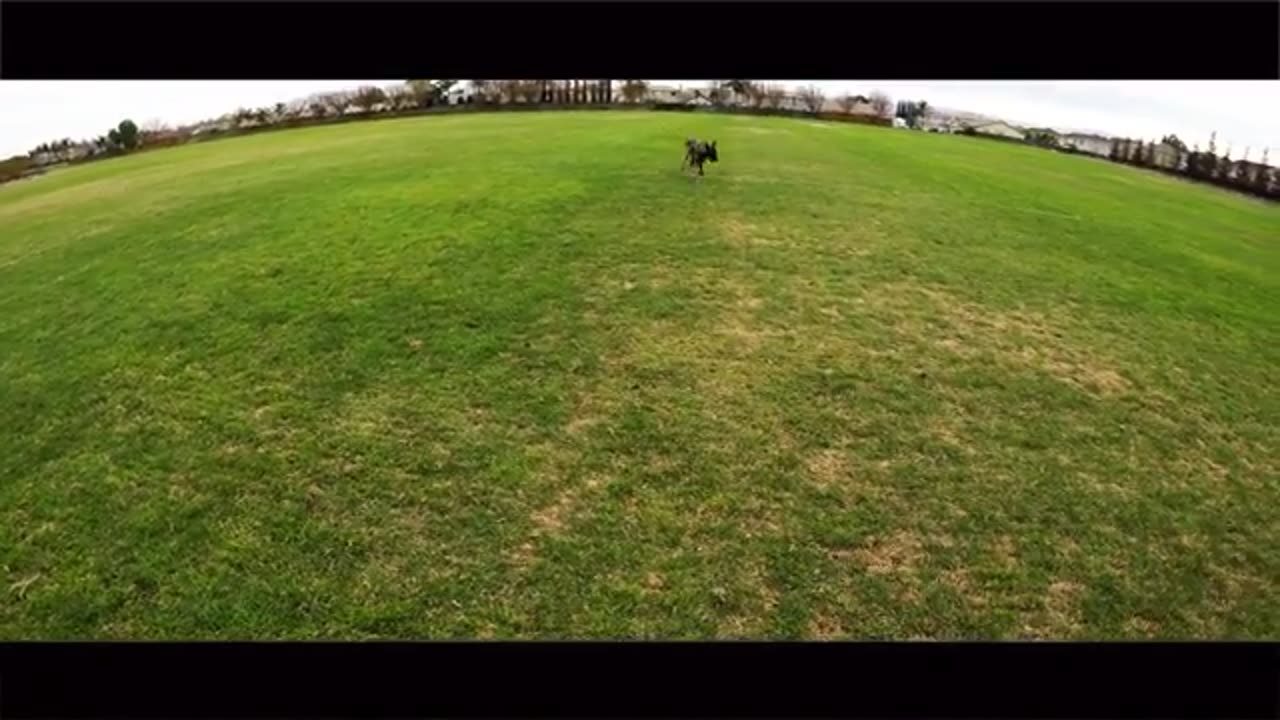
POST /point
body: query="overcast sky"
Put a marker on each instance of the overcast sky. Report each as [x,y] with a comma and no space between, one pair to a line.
[1245,114]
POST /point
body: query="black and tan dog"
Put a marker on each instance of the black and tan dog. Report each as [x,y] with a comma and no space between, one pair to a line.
[696,153]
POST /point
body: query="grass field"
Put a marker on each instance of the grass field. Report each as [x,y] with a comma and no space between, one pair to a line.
[512,375]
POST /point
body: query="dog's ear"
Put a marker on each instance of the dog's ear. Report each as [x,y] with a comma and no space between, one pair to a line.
[713,143]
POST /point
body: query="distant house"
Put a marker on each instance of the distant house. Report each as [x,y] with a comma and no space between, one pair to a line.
[793,102]
[459,95]
[664,95]
[1248,172]
[861,106]
[1087,143]
[1167,156]
[934,122]
[1042,136]
[999,129]
[222,124]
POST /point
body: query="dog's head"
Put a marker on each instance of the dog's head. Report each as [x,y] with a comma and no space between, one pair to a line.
[712,154]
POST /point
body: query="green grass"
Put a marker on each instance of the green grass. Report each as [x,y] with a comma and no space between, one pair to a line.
[513,376]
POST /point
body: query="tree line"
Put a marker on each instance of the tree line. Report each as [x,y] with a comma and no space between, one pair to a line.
[1172,155]
[418,95]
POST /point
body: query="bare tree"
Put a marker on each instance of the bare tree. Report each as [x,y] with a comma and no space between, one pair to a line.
[634,90]
[812,97]
[367,97]
[153,126]
[739,89]
[337,102]
[482,89]
[716,93]
[420,92]
[922,115]
[441,89]
[295,107]
[847,102]
[881,103]
[398,96]
[530,91]
[508,90]
[774,95]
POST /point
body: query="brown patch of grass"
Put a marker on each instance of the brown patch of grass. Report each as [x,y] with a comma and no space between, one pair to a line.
[822,626]
[580,424]
[1019,338]
[963,585]
[763,600]
[943,428]
[1141,627]
[1060,613]
[899,553]
[551,518]
[1005,550]
[827,467]
[554,518]
[741,232]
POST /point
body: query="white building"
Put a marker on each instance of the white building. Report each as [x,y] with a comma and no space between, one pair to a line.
[1000,129]
[459,94]
[1086,143]
[664,95]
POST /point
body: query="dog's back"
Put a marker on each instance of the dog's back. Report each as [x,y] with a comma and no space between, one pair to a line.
[696,153]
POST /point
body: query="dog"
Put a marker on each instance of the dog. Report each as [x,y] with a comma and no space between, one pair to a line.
[697,153]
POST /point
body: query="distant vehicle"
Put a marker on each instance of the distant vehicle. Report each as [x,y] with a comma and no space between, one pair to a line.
[900,123]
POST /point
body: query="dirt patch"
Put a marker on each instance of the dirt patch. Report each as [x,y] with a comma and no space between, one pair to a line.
[555,517]
[583,419]
[944,430]
[1005,551]
[1141,627]
[741,232]
[551,518]
[822,626]
[899,553]
[1059,617]
[959,581]
[762,600]
[746,335]
[1020,338]
[827,467]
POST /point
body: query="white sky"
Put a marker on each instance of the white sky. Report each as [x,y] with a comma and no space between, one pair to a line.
[1245,114]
